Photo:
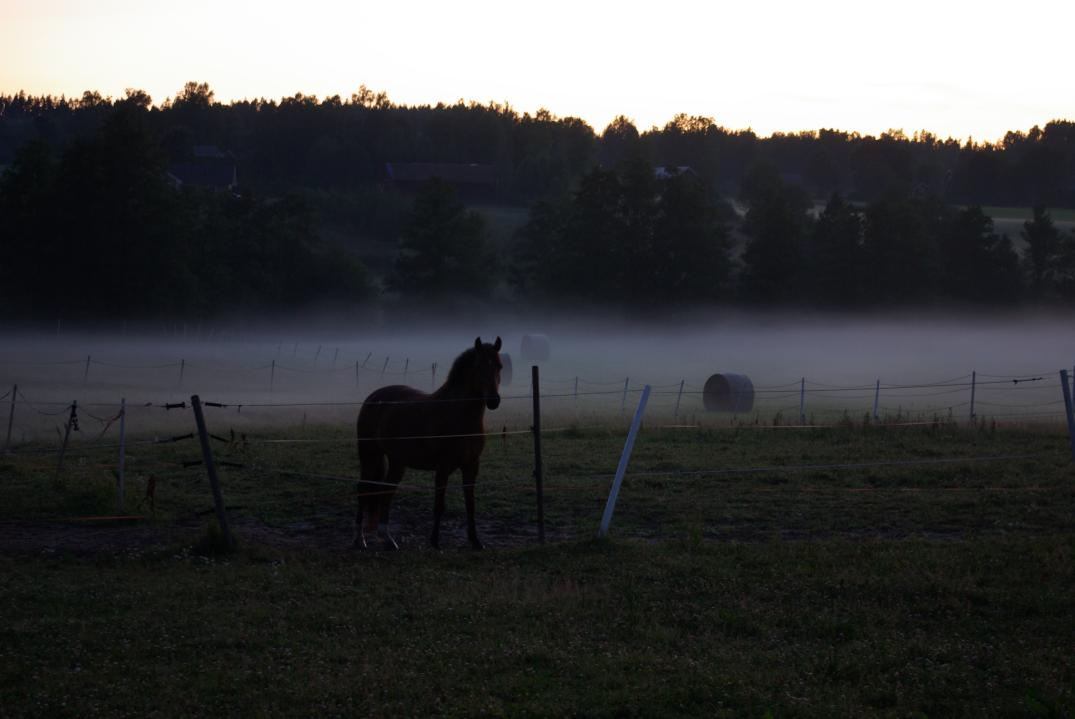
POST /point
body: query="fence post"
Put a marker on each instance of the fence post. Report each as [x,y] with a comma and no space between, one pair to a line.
[876,398]
[86,373]
[614,493]
[335,356]
[973,386]
[434,376]
[576,390]
[11,417]
[406,368]
[317,354]
[72,421]
[210,468]
[537,454]
[182,368]
[802,401]
[1068,410]
[623,404]
[679,397]
[272,375]
[122,451]
[383,369]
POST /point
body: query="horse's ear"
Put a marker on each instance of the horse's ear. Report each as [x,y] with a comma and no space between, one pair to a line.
[497,345]
[478,343]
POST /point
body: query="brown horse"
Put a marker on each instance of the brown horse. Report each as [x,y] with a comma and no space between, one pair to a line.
[443,431]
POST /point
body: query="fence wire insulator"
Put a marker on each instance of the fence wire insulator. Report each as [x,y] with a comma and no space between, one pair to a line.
[177,405]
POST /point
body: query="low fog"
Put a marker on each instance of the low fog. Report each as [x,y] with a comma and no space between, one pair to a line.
[315,360]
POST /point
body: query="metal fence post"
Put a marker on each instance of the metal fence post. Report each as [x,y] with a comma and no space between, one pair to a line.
[537,453]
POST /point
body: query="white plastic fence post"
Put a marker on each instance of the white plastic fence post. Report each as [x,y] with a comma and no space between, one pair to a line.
[1068,410]
[614,493]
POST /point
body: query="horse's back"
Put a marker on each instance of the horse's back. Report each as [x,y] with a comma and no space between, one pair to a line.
[407,425]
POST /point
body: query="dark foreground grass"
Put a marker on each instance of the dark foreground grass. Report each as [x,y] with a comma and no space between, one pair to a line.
[891,590]
[682,628]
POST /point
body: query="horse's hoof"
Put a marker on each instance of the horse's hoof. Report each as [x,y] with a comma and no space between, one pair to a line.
[359,543]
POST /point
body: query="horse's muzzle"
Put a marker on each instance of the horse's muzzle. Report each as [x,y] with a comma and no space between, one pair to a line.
[492,402]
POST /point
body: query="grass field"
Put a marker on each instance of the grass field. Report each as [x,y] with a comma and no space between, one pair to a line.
[883,588]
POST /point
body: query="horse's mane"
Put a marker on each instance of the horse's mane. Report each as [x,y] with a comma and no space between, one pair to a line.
[457,376]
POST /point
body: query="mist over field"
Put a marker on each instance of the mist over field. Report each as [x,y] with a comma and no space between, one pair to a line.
[327,360]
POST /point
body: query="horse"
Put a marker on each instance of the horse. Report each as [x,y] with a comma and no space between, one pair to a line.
[442,431]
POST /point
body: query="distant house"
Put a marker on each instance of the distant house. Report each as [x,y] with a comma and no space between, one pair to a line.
[472,181]
[663,172]
[208,167]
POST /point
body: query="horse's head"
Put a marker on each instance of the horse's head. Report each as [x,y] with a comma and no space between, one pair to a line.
[485,377]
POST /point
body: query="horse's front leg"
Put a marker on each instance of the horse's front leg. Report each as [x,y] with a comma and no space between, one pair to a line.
[441,482]
[470,476]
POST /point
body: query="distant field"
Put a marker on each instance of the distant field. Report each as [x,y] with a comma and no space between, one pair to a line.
[930,573]
[1059,215]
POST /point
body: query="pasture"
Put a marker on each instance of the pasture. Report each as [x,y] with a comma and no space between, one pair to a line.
[916,564]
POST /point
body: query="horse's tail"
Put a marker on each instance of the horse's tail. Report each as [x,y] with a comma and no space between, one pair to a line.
[371,460]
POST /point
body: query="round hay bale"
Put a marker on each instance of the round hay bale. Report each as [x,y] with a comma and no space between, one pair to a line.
[505,370]
[728,393]
[535,348]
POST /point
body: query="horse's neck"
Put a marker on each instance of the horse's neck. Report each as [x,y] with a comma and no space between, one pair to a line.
[470,408]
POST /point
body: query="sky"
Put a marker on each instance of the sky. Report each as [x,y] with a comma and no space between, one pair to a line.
[957,69]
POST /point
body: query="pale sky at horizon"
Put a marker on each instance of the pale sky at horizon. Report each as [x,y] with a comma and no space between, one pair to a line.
[956,69]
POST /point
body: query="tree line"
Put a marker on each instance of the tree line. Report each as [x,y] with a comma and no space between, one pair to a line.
[630,238]
[91,226]
[303,141]
[94,229]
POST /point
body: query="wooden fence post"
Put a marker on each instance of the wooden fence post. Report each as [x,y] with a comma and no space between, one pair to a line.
[86,373]
[876,398]
[210,468]
[679,397]
[122,451]
[182,368]
[614,493]
[272,375]
[11,417]
[802,401]
[537,453]
[973,386]
[72,421]
[623,403]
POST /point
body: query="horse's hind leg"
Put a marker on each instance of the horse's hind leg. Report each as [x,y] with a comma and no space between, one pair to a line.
[384,504]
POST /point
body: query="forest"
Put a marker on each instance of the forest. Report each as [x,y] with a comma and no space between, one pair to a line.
[94,223]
